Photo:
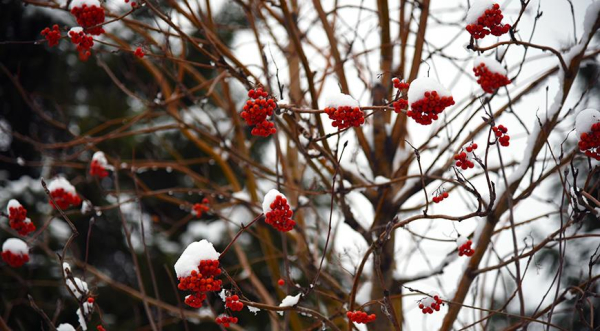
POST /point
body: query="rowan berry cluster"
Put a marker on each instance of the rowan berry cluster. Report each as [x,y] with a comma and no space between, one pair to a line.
[64,199]
[15,252]
[52,36]
[464,247]
[89,16]
[233,303]
[99,166]
[489,22]
[488,80]
[226,320]
[358,316]
[83,41]
[427,109]
[256,110]
[400,105]
[438,198]
[500,132]
[139,52]
[345,116]
[201,281]
[589,142]
[463,159]
[200,208]
[14,260]
[280,216]
[402,86]
[100,328]
[430,304]
[17,218]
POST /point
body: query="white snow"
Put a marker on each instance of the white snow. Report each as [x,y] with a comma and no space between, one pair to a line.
[15,246]
[75,30]
[65,327]
[81,319]
[419,86]
[61,182]
[461,240]
[13,203]
[223,295]
[79,288]
[491,64]
[591,15]
[86,207]
[380,180]
[89,3]
[253,309]
[101,159]
[65,267]
[269,198]
[340,99]
[289,301]
[585,119]
[192,255]
[478,8]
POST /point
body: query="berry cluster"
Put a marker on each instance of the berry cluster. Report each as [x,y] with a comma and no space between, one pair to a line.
[345,116]
[226,320]
[589,142]
[429,304]
[500,132]
[52,36]
[201,281]
[280,216]
[489,22]
[200,208]
[89,16]
[15,252]
[100,328]
[402,86]
[64,199]
[463,159]
[358,316]
[97,169]
[427,109]
[488,80]
[139,52]
[17,217]
[400,105]
[464,246]
[14,260]
[256,112]
[438,198]
[83,41]
[233,303]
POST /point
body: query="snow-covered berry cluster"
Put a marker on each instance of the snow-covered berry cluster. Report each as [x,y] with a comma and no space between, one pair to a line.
[360,317]
[233,302]
[63,193]
[500,132]
[17,218]
[15,252]
[139,52]
[345,116]
[588,129]
[52,36]
[491,74]
[427,99]
[226,321]
[430,303]
[464,246]
[99,166]
[484,18]
[278,213]
[196,270]
[463,159]
[256,112]
[438,198]
[83,41]
[200,208]
[89,14]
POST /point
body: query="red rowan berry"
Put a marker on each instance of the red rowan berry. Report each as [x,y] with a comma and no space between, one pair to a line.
[278,213]
[17,218]
[588,129]
[488,22]
[491,76]
[15,252]
[52,36]
[99,165]
[360,317]
[226,320]
[427,99]
[500,132]
[139,52]
[200,208]
[464,246]
[345,116]
[256,112]
[63,193]
[89,15]
[233,303]
[281,282]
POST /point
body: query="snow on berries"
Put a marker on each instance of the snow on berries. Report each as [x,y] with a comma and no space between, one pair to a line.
[484,18]
[360,317]
[431,303]
[89,14]
[257,110]
[427,99]
[52,36]
[99,167]
[200,208]
[278,213]
[226,321]
[463,159]
[344,111]
[441,196]
[464,246]
[63,193]
[139,52]
[17,218]
[15,252]
[83,41]
[196,270]
[491,75]
[500,132]
[233,303]
[587,126]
